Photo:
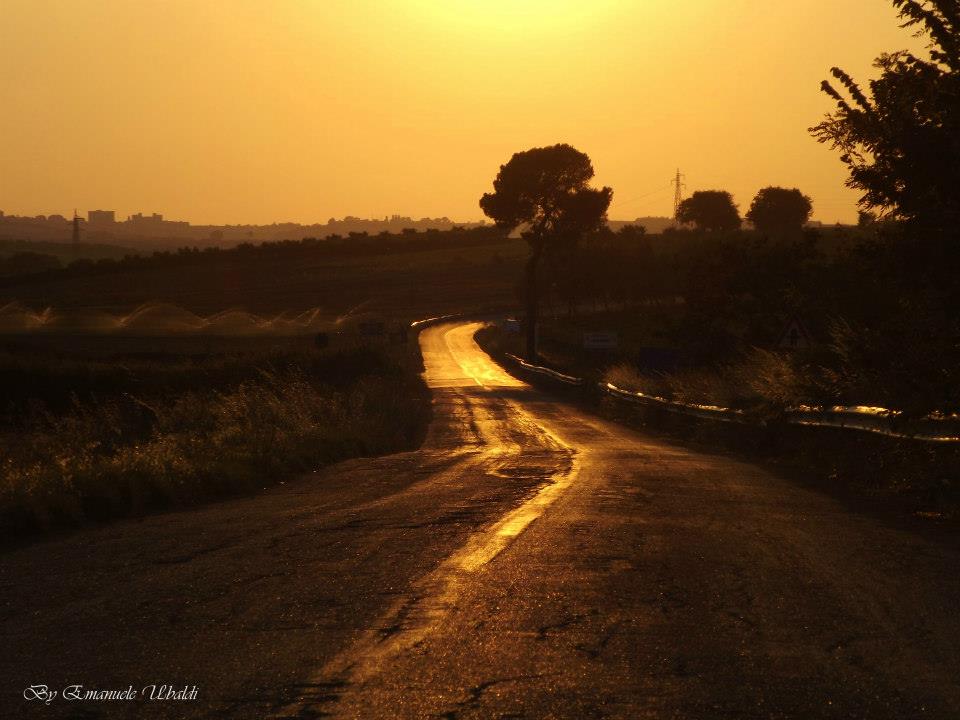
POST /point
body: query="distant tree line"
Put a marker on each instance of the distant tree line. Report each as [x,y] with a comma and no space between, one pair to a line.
[28,267]
[28,263]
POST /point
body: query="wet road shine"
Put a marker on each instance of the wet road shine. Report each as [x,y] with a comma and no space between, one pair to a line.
[646,581]
[530,561]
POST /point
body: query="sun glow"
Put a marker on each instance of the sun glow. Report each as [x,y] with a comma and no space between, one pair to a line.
[515,18]
[304,109]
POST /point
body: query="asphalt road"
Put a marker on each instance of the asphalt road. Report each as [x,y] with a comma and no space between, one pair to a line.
[530,561]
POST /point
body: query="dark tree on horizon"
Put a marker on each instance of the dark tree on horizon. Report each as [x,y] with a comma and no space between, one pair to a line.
[777,210]
[711,210]
[546,190]
[901,141]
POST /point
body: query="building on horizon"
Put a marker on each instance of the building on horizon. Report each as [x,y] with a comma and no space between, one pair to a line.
[140,218]
[101,217]
[155,226]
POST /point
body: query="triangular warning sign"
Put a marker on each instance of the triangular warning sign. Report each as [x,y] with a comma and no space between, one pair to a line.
[794,336]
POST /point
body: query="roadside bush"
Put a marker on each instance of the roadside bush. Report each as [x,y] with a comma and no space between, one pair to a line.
[128,456]
[761,380]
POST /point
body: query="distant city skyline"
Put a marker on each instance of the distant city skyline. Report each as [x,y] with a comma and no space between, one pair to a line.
[153,229]
[100,216]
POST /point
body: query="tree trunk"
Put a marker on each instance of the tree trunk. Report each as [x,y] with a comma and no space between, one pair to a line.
[532,305]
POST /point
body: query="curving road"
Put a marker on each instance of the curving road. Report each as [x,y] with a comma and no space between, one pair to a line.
[530,561]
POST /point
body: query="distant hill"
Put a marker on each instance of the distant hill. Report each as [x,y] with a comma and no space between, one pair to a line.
[66,252]
[654,225]
[26,257]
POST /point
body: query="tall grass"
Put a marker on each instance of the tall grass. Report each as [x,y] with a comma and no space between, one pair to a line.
[127,455]
[758,380]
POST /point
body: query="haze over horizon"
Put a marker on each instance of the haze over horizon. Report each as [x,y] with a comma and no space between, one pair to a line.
[298,111]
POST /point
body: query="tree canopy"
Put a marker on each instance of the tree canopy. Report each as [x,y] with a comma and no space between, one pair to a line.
[546,189]
[901,141]
[712,210]
[779,210]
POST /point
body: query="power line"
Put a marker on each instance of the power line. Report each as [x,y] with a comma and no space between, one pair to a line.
[645,195]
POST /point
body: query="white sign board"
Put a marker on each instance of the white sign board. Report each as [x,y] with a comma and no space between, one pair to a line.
[600,341]
[794,336]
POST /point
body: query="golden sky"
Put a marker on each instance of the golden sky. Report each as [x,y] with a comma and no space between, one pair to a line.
[243,111]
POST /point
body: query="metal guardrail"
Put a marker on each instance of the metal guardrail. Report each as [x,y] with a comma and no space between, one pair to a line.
[935,428]
[708,412]
[427,322]
[546,372]
[881,421]
[931,428]
[481,315]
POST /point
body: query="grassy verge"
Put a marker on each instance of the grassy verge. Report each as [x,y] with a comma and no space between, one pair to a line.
[89,440]
[756,379]
[861,469]
[759,381]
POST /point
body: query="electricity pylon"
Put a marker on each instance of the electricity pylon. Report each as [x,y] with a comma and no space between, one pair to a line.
[678,193]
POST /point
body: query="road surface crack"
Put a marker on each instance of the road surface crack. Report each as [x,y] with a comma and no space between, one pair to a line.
[476,693]
[544,630]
